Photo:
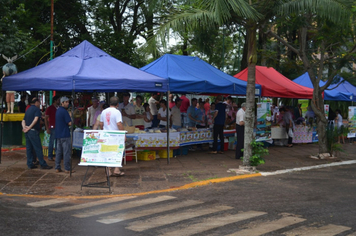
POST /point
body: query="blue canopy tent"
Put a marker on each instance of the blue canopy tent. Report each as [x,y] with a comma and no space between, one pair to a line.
[188,74]
[85,68]
[331,95]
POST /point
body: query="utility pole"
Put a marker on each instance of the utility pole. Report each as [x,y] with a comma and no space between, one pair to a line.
[51,45]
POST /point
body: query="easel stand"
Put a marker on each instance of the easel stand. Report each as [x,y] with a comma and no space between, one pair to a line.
[97,184]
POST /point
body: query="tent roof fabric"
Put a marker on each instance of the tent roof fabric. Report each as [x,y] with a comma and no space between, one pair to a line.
[275,84]
[330,95]
[188,74]
[85,68]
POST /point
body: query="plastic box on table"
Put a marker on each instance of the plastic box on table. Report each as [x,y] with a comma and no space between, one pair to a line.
[146,155]
[163,153]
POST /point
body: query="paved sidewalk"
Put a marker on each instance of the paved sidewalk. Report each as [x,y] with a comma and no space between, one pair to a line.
[146,176]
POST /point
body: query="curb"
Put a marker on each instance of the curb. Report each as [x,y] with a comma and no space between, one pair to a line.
[184,187]
[278,172]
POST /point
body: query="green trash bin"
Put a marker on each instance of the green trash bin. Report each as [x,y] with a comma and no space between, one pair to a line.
[12,133]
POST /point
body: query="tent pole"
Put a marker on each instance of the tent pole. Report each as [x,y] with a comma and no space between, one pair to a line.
[168,124]
[2,123]
[71,129]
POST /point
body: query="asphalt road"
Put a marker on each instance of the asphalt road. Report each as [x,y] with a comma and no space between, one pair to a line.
[315,202]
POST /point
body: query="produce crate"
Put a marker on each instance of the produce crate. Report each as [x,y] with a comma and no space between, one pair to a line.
[163,153]
[146,155]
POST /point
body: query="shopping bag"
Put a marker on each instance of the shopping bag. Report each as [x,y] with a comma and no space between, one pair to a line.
[45,141]
[290,132]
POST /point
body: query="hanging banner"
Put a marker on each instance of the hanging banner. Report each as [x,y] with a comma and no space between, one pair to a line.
[304,105]
[352,122]
[263,120]
[326,110]
[103,148]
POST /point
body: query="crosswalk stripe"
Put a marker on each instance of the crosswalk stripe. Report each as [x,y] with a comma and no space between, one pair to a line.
[327,230]
[213,222]
[127,205]
[91,204]
[47,202]
[174,218]
[267,227]
[133,215]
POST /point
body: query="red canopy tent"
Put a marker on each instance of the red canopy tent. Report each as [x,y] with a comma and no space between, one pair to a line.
[274,84]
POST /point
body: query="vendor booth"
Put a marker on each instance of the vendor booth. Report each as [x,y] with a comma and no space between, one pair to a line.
[334,94]
[274,84]
[85,68]
[188,74]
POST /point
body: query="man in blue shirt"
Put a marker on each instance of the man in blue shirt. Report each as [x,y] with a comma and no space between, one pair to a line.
[192,114]
[31,128]
[62,133]
[219,122]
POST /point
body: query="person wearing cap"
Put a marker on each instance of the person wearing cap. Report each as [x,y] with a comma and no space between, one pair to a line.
[62,132]
[176,116]
[50,122]
[127,110]
[240,131]
[153,102]
[92,110]
[31,128]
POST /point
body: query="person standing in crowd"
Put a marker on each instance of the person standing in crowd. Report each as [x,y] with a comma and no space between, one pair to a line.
[111,119]
[97,123]
[138,122]
[183,109]
[176,116]
[219,122]
[200,111]
[298,111]
[240,131]
[22,105]
[62,132]
[98,112]
[92,110]
[274,111]
[171,101]
[31,128]
[309,116]
[192,114]
[228,104]
[207,106]
[127,110]
[162,114]
[210,115]
[153,102]
[148,116]
[288,122]
[338,121]
[50,122]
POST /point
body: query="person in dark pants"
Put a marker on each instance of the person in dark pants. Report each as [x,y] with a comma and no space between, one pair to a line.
[31,128]
[288,122]
[62,134]
[240,131]
[219,122]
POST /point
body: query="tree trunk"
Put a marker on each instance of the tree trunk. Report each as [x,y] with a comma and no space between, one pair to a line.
[250,92]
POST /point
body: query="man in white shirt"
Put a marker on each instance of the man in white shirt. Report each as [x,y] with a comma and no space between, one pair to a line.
[240,131]
[153,102]
[127,110]
[111,119]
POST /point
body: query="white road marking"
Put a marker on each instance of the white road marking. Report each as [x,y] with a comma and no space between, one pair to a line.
[133,215]
[267,227]
[123,206]
[327,230]
[174,217]
[47,202]
[308,168]
[91,204]
[213,222]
